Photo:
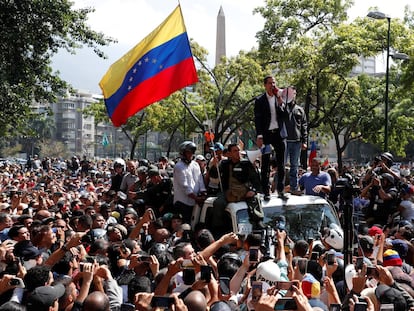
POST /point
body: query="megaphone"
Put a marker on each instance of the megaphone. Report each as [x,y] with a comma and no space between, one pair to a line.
[253,155]
[288,94]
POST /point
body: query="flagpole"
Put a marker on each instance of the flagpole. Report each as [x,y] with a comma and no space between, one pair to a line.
[214,151]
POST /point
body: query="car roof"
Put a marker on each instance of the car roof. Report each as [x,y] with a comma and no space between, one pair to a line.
[299,201]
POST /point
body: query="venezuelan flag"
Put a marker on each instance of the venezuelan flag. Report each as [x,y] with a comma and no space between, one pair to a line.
[156,67]
[312,154]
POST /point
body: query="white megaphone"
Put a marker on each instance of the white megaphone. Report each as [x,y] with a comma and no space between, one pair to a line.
[253,155]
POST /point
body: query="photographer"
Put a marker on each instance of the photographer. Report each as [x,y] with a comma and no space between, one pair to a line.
[383,198]
[380,165]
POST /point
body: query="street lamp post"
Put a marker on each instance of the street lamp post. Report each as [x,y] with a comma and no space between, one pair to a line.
[380,15]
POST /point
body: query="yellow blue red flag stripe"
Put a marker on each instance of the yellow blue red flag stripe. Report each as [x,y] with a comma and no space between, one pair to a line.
[159,65]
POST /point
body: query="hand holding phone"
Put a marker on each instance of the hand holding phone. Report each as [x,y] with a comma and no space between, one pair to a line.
[302,265]
[360,306]
[330,259]
[144,258]
[162,302]
[253,254]
[257,290]
[224,285]
[359,263]
[286,285]
[18,282]
[205,272]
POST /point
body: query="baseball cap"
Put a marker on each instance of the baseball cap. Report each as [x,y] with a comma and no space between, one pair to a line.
[401,247]
[44,297]
[374,230]
[268,271]
[26,250]
[367,243]
[218,146]
[153,172]
[200,157]
[387,294]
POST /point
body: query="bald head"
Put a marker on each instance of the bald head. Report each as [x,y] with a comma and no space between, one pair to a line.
[42,214]
[96,301]
[196,301]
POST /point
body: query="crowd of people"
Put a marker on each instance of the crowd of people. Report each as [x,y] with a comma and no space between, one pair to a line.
[117,235]
[111,236]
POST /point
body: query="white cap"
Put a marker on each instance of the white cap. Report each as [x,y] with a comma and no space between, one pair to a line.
[200,157]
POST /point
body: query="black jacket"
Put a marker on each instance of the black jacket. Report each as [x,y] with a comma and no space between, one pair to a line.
[243,171]
[262,116]
[296,124]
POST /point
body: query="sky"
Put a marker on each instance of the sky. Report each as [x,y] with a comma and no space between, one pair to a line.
[129,21]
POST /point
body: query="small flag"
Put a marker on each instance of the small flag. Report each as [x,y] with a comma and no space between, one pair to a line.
[326,162]
[159,65]
[312,154]
[105,140]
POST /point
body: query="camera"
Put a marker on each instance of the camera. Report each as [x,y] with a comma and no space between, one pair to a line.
[347,187]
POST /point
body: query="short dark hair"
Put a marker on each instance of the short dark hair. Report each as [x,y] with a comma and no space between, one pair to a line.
[301,248]
[230,146]
[36,276]
[12,306]
[204,238]
[14,231]
[139,284]
[179,250]
[266,78]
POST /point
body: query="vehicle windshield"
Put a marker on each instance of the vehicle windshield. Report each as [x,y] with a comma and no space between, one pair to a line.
[302,221]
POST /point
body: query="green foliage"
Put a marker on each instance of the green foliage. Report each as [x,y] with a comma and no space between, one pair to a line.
[53,149]
[310,44]
[11,151]
[226,93]
[31,32]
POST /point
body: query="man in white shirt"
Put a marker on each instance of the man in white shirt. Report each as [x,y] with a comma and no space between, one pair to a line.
[188,183]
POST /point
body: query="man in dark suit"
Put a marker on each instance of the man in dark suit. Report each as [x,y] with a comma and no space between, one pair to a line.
[269,118]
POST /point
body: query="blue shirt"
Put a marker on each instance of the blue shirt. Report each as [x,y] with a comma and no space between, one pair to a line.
[308,181]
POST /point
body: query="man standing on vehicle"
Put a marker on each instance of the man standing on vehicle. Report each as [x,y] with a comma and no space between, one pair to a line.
[240,182]
[269,119]
[316,182]
[297,134]
[188,183]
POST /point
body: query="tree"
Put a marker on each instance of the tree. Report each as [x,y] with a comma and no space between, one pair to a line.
[162,116]
[53,149]
[224,95]
[31,32]
[310,45]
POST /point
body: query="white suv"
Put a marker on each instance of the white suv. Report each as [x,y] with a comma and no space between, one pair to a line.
[305,215]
